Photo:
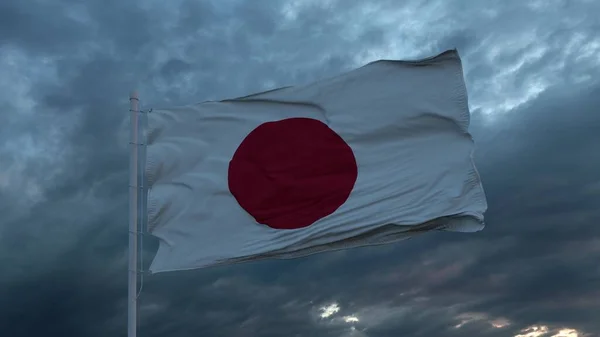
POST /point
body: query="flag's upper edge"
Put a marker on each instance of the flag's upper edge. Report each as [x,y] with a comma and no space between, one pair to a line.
[450,53]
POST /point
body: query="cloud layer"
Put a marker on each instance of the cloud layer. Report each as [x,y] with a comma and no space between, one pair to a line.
[532,70]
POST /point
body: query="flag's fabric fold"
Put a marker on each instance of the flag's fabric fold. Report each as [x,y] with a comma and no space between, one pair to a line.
[371,156]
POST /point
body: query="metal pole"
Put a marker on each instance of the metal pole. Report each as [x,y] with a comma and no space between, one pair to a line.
[133,216]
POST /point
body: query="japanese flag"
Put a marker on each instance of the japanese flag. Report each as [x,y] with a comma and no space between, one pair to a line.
[372,156]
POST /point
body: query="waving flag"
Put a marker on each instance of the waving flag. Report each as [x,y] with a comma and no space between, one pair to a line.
[372,156]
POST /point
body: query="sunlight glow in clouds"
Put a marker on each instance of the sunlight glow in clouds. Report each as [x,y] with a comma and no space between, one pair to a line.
[567,333]
[500,323]
[466,318]
[329,310]
[534,331]
[542,330]
[350,319]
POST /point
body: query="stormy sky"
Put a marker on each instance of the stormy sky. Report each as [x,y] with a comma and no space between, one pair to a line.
[532,71]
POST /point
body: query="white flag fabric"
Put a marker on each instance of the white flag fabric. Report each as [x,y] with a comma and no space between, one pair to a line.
[372,156]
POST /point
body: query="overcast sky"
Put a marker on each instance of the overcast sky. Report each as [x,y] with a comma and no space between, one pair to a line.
[532,71]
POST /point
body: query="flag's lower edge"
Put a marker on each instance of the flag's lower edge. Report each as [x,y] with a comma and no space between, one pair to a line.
[385,234]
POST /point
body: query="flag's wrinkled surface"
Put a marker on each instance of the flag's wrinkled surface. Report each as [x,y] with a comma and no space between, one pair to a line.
[372,156]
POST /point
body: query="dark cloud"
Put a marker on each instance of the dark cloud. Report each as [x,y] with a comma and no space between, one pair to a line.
[531,69]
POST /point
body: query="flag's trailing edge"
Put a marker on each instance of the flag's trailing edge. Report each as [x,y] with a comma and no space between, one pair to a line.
[372,156]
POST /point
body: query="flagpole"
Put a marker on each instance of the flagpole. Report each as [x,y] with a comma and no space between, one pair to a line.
[133,216]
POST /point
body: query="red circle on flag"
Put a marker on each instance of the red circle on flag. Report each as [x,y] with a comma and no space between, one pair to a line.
[290,173]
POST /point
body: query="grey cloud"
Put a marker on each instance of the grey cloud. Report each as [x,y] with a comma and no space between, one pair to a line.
[64,258]
[39,26]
